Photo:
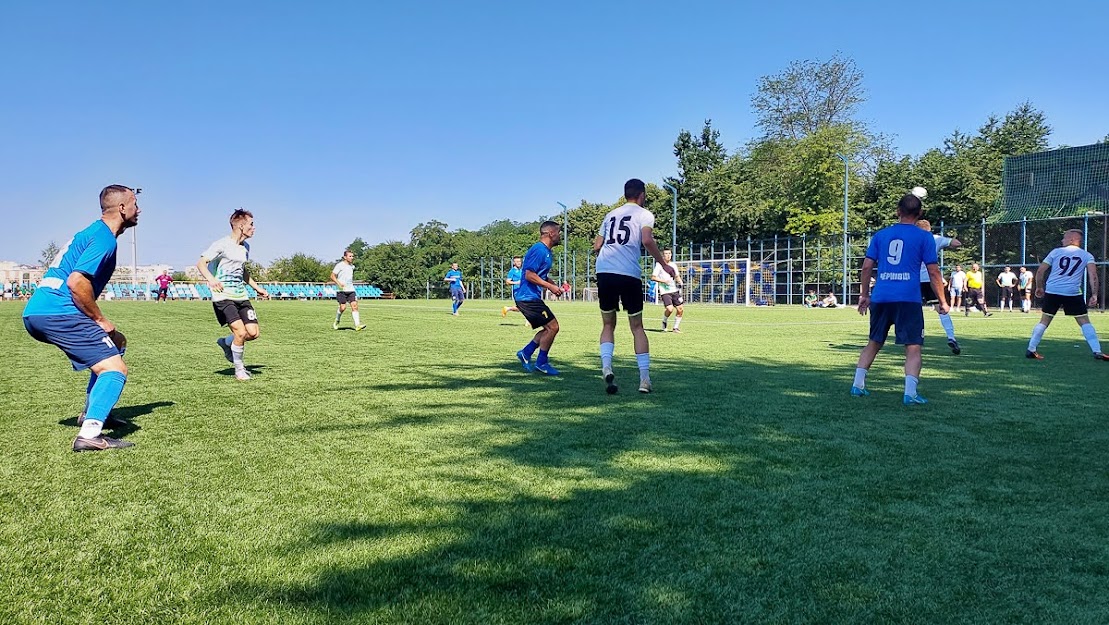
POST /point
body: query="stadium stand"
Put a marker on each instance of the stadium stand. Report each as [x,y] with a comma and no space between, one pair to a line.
[201,291]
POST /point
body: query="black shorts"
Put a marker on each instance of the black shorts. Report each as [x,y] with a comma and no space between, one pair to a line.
[614,289]
[1007,293]
[346,297]
[672,299]
[928,294]
[162,293]
[1073,305]
[229,311]
[906,317]
[535,312]
[973,295]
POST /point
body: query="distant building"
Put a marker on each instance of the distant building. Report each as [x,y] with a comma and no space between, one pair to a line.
[143,273]
[11,271]
[192,273]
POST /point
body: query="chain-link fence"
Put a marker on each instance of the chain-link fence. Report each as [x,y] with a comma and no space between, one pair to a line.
[789,266]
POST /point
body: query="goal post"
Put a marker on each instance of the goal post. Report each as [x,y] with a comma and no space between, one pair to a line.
[726,281]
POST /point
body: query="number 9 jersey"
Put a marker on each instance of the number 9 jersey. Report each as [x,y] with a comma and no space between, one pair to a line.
[1068,270]
[621,239]
[899,251]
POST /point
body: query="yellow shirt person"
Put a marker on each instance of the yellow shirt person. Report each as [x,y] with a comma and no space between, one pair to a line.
[974,279]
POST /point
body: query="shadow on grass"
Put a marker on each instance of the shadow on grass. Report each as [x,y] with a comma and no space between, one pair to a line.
[741,491]
[121,419]
[251,369]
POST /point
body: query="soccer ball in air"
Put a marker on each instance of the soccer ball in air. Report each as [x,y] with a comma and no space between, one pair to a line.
[920,192]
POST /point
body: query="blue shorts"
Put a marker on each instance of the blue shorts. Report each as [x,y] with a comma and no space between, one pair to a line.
[906,317]
[458,295]
[78,336]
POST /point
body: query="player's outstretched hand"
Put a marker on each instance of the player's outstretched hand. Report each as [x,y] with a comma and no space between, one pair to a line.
[215,285]
[864,304]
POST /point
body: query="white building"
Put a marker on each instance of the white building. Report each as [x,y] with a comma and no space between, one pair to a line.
[11,271]
[143,273]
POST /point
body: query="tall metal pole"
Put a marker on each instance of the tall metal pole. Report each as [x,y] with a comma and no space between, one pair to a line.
[673,217]
[846,176]
[565,240]
[135,256]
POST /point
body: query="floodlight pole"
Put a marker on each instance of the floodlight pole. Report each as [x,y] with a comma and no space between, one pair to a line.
[846,176]
[565,242]
[674,217]
[135,255]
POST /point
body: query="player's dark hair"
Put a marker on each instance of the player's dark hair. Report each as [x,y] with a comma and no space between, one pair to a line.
[109,194]
[515,257]
[909,206]
[546,226]
[239,215]
[634,188]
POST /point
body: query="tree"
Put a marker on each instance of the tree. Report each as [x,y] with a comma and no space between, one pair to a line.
[48,254]
[180,276]
[807,96]
[298,268]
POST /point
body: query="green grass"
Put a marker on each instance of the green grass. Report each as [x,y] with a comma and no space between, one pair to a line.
[411,473]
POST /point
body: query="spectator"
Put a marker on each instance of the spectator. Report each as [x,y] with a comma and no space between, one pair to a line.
[810,299]
[830,301]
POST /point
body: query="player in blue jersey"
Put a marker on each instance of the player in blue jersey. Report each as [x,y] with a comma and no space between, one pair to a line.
[63,312]
[513,279]
[897,253]
[529,298]
[458,288]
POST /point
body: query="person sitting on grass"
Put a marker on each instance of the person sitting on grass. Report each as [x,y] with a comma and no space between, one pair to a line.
[810,299]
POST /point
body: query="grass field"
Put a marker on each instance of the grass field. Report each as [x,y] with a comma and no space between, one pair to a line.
[412,473]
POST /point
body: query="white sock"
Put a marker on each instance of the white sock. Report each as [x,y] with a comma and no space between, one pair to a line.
[237,355]
[860,378]
[948,327]
[606,355]
[90,429]
[1037,334]
[357,320]
[677,322]
[338,315]
[644,362]
[1090,333]
[910,385]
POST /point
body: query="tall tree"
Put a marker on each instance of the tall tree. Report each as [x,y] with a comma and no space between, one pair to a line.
[299,268]
[807,96]
[48,254]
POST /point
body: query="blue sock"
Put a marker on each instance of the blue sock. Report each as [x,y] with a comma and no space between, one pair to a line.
[88,390]
[542,360]
[530,348]
[454,307]
[104,395]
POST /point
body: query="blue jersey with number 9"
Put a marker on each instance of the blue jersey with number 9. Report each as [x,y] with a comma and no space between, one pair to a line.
[899,251]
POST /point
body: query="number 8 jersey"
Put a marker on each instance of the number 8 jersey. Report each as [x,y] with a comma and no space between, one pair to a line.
[1068,270]
[621,239]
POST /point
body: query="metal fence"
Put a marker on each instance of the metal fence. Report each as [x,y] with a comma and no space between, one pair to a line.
[790,266]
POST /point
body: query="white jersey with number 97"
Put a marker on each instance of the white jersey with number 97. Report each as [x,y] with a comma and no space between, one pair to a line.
[1068,270]
[621,240]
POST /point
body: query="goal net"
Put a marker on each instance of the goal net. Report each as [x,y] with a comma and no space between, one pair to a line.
[727,281]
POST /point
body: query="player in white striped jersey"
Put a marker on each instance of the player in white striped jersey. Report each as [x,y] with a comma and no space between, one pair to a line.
[1069,265]
[620,278]
[929,296]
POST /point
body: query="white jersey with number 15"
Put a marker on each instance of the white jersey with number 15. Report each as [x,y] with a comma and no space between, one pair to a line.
[621,240]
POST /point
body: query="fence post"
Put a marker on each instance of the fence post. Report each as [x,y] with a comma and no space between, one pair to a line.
[789,270]
[1023,240]
[982,240]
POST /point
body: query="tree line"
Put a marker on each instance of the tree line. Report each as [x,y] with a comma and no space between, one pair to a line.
[787,180]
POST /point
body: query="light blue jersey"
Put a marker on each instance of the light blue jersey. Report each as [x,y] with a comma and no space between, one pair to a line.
[538,260]
[91,252]
[516,277]
[899,251]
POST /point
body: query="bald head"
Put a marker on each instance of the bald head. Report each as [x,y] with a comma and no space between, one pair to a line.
[1072,237]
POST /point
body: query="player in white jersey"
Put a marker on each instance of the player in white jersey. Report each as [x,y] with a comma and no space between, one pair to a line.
[670,291]
[620,278]
[223,266]
[1070,265]
[343,277]
[928,295]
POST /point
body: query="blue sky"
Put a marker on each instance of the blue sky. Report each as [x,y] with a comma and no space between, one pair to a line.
[332,120]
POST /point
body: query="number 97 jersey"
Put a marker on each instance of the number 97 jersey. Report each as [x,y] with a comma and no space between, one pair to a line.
[1068,270]
[621,239]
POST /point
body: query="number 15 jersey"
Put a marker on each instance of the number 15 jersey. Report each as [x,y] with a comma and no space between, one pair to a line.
[1068,270]
[621,239]
[899,251]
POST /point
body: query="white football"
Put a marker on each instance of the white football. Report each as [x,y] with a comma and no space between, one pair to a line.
[920,192]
